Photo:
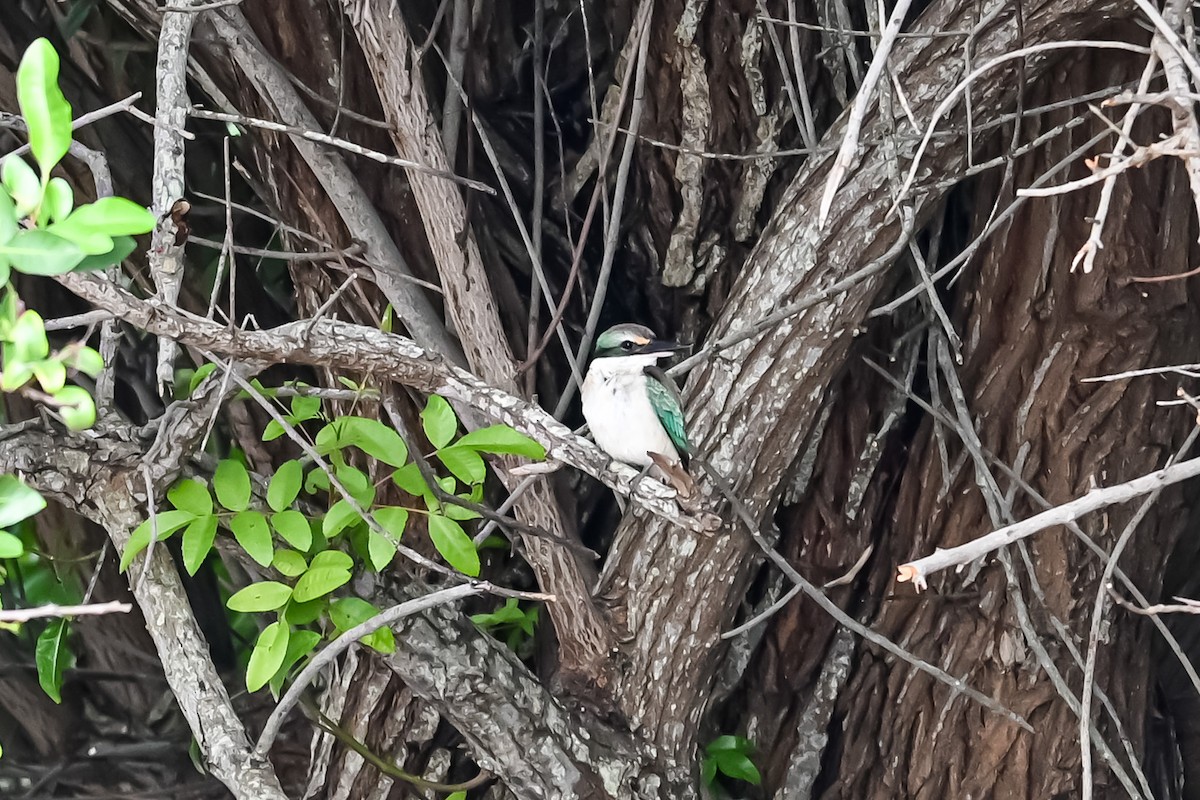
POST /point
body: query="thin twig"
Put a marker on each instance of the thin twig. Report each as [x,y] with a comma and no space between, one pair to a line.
[919,570]
[862,101]
[55,610]
[1186,605]
[334,141]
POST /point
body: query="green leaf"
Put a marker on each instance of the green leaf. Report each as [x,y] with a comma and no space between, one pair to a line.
[392,519]
[112,216]
[52,375]
[8,218]
[349,612]
[289,563]
[191,495]
[23,184]
[380,551]
[708,771]
[37,252]
[304,613]
[293,528]
[356,482]
[202,372]
[409,479]
[28,336]
[338,518]
[251,531]
[502,439]
[275,429]
[510,613]
[17,501]
[267,656]
[317,480]
[738,766]
[198,541]
[52,657]
[439,421]
[319,581]
[300,645]
[46,111]
[168,522]
[58,200]
[335,559]
[84,359]
[260,596]
[305,407]
[76,407]
[737,744]
[459,512]
[381,640]
[121,248]
[15,374]
[93,226]
[453,543]
[231,482]
[10,546]
[464,463]
[369,435]
[285,485]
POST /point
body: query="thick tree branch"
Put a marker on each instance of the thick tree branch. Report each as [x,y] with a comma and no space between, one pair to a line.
[752,410]
[356,347]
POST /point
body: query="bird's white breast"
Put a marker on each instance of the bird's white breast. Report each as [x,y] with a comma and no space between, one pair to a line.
[618,411]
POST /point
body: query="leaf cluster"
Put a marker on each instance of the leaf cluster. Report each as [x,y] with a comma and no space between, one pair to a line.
[317,553]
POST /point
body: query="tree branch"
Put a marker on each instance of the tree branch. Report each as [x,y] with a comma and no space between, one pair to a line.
[356,347]
[918,571]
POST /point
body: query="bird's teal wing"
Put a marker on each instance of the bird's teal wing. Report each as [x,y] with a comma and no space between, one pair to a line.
[667,403]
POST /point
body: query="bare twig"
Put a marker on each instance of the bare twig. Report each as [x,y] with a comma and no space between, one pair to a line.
[950,99]
[847,621]
[1089,669]
[862,102]
[1186,605]
[918,571]
[55,610]
[348,146]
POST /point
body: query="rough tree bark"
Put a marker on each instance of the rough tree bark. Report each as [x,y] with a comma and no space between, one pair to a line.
[833,461]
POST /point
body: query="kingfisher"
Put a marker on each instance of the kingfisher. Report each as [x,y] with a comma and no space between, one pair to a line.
[633,408]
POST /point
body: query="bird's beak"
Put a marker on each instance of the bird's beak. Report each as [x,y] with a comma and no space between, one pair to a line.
[663,346]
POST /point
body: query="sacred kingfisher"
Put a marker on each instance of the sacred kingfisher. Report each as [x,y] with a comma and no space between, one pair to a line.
[632,407]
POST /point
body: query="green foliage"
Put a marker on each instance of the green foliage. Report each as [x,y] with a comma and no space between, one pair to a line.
[729,756]
[42,233]
[511,623]
[52,657]
[323,550]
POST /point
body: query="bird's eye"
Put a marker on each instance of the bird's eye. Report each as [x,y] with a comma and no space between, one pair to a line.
[626,345]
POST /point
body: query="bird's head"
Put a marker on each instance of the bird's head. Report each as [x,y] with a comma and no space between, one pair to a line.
[634,344]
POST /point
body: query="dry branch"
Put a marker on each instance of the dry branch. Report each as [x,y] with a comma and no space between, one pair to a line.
[918,571]
[166,256]
[55,610]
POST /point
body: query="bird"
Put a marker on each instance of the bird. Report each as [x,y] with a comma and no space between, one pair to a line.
[633,408]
